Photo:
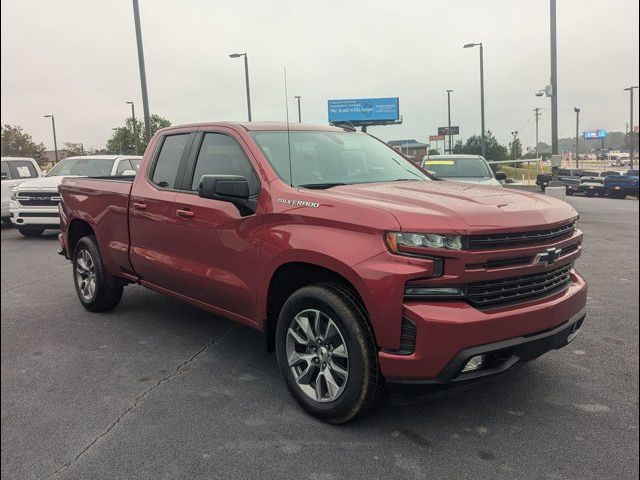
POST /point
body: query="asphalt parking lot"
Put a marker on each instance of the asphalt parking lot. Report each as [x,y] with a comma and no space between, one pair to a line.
[158,389]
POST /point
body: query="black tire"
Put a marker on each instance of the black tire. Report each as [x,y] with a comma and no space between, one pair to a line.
[590,194]
[106,292]
[570,193]
[364,383]
[543,188]
[30,232]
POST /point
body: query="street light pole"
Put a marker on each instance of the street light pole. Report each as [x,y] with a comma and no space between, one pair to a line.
[513,143]
[143,75]
[577,110]
[554,79]
[297,97]
[484,143]
[449,116]
[632,138]
[246,79]
[55,140]
[135,127]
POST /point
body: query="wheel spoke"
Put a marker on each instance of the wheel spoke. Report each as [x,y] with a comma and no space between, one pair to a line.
[307,374]
[297,338]
[319,386]
[332,386]
[339,351]
[335,368]
[305,326]
[296,358]
[331,330]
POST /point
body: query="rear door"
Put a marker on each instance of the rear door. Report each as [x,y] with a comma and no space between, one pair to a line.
[217,255]
[151,206]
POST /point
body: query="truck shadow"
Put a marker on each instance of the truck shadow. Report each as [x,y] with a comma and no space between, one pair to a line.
[239,352]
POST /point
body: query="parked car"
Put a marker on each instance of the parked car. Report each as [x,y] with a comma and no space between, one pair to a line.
[543,179]
[15,170]
[620,186]
[589,183]
[358,267]
[463,168]
[34,204]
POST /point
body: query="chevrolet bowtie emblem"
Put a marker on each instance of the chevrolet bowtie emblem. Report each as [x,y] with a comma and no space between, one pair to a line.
[549,256]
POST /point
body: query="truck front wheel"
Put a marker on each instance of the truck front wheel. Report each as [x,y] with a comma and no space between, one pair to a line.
[96,291]
[30,232]
[327,354]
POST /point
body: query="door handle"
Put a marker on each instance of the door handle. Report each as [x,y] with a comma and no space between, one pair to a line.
[139,206]
[185,213]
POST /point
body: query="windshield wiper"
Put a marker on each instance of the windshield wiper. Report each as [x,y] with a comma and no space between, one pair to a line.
[321,186]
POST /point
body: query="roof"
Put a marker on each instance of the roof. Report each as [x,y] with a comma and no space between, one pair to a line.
[410,143]
[263,126]
[16,158]
[102,157]
[453,155]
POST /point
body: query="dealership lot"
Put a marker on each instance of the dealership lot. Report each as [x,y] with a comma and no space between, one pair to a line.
[159,389]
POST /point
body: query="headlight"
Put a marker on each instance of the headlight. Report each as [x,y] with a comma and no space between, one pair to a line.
[13,194]
[398,242]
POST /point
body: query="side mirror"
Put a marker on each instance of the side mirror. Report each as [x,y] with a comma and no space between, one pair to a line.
[229,188]
[501,176]
[5,176]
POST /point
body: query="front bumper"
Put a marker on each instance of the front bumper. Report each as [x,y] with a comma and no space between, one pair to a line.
[448,334]
[46,217]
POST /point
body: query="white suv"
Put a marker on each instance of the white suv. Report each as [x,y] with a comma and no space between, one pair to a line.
[16,170]
[34,204]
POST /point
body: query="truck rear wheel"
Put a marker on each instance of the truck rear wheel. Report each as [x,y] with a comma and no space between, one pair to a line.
[327,354]
[30,232]
[96,290]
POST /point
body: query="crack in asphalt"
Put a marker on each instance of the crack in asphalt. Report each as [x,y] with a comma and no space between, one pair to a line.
[136,402]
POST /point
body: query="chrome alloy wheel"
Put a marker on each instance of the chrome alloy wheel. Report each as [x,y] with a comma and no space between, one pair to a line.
[317,355]
[86,275]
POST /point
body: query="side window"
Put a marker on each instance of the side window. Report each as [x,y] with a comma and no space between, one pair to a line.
[168,162]
[22,169]
[221,155]
[136,162]
[123,166]
[6,171]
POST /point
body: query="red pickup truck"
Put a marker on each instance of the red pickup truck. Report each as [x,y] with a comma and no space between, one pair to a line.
[360,268]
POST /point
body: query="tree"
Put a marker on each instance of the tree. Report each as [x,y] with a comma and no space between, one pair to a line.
[515,148]
[17,143]
[473,146]
[123,139]
[434,151]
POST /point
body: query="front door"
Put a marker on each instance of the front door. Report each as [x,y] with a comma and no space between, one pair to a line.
[152,217]
[217,255]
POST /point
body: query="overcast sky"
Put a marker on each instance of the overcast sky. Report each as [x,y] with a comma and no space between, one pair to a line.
[77,59]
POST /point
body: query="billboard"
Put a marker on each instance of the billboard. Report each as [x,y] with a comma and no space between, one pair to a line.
[594,134]
[364,110]
[436,138]
[449,130]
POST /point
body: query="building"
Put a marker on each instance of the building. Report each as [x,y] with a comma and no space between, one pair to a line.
[411,148]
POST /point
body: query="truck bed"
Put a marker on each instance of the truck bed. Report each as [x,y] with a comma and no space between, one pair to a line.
[102,202]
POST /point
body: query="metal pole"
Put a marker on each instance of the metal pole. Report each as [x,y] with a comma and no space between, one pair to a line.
[577,110]
[246,76]
[135,128]
[297,97]
[449,116]
[554,79]
[537,110]
[143,75]
[632,139]
[55,140]
[484,143]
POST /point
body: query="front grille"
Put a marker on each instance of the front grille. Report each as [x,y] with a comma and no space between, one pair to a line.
[495,240]
[38,199]
[518,289]
[37,214]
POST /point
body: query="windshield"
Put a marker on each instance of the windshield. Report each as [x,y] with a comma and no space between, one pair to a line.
[325,159]
[86,167]
[632,173]
[458,167]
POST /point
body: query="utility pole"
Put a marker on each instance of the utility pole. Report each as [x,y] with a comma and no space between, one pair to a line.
[143,74]
[449,117]
[577,110]
[246,79]
[135,127]
[538,114]
[513,143]
[632,138]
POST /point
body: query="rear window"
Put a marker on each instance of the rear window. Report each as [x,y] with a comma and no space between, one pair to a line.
[23,169]
[165,171]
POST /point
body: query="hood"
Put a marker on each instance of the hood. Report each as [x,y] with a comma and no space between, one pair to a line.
[440,206]
[41,183]
[490,182]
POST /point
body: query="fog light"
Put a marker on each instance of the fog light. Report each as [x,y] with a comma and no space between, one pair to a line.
[474,363]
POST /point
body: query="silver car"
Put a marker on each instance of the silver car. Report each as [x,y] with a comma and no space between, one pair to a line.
[463,168]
